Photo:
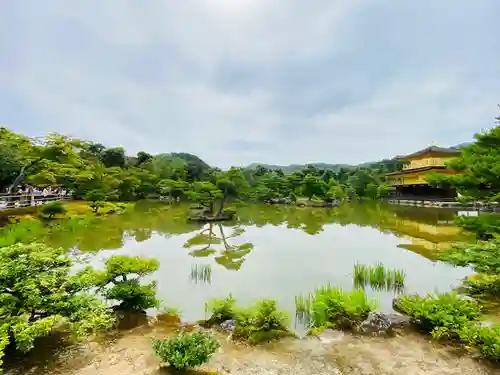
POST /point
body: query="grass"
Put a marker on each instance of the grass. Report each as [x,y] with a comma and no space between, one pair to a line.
[379,277]
[329,306]
[201,273]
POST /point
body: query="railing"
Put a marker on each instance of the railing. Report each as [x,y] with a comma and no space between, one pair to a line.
[8,201]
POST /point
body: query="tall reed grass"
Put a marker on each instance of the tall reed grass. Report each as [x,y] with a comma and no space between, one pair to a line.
[330,306]
[201,273]
[379,277]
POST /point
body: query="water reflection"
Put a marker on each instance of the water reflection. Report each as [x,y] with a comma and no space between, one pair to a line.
[272,251]
[213,240]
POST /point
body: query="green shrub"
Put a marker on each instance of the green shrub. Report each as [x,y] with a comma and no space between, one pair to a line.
[261,322]
[53,208]
[39,294]
[186,350]
[444,315]
[221,309]
[484,339]
[331,306]
[120,281]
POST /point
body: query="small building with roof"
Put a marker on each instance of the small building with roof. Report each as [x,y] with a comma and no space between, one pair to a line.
[411,181]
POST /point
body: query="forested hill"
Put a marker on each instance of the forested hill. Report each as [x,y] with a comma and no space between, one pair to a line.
[287,169]
[291,168]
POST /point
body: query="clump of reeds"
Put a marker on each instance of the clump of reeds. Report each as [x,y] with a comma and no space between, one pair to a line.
[378,277]
[201,273]
[303,310]
[330,306]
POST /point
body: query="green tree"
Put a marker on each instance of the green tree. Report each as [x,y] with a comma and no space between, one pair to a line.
[174,189]
[113,157]
[143,157]
[205,194]
[38,294]
[312,185]
[120,281]
[52,209]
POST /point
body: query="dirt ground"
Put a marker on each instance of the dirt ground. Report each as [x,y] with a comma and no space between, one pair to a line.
[129,353]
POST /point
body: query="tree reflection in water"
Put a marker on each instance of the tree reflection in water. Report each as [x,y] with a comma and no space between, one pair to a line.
[213,240]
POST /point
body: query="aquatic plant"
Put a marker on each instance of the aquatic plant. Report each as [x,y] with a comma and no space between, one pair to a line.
[186,350]
[261,322]
[443,315]
[201,273]
[379,277]
[303,309]
[221,309]
[332,306]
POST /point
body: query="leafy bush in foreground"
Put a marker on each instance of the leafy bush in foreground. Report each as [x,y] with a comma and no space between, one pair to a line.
[186,350]
[261,322]
[38,294]
[484,339]
[443,315]
[331,306]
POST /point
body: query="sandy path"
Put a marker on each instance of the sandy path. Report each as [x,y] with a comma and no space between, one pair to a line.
[335,353]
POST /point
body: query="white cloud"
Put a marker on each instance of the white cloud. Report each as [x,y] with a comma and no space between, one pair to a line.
[252,80]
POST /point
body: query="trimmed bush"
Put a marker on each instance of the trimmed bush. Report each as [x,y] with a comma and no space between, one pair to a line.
[52,209]
[443,315]
[186,350]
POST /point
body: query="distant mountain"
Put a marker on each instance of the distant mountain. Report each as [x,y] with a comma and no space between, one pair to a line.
[190,158]
[298,167]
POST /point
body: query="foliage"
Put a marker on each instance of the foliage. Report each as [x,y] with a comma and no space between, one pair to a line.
[335,307]
[186,350]
[484,256]
[485,339]
[52,209]
[378,277]
[444,315]
[479,163]
[38,294]
[120,281]
[221,309]
[261,322]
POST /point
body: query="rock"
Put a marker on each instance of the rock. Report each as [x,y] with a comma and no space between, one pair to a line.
[376,323]
[228,326]
[399,321]
[382,324]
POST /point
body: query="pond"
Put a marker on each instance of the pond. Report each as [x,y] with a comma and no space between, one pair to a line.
[274,251]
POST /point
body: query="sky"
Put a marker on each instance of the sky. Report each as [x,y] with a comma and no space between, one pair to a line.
[242,81]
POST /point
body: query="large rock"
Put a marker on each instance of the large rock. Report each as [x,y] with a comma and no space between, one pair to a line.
[228,326]
[383,324]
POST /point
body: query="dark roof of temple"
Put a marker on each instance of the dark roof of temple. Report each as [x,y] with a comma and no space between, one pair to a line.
[413,170]
[431,149]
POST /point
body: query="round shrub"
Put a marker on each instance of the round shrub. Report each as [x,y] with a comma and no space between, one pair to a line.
[186,350]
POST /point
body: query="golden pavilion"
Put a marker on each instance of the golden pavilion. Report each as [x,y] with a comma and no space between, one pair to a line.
[411,181]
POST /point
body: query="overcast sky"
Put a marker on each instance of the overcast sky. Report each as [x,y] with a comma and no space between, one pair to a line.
[241,81]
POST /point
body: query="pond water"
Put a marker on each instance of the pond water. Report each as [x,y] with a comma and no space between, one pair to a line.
[274,251]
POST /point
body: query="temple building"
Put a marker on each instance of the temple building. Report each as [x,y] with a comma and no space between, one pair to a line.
[411,181]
